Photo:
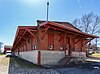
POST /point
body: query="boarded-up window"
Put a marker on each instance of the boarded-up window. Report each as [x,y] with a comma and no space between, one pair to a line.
[51,41]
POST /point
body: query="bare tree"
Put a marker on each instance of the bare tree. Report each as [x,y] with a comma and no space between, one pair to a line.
[88,23]
[76,23]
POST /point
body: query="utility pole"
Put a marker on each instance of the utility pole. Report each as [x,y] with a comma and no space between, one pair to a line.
[47,10]
[96,43]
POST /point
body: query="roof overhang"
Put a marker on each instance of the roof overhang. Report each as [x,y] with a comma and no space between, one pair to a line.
[67,28]
[21,30]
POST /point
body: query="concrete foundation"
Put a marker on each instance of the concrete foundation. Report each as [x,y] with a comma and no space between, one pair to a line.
[79,55]
[48,57]
[31,56]
[51,57]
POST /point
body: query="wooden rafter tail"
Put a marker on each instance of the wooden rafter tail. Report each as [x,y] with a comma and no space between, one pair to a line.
[89,40]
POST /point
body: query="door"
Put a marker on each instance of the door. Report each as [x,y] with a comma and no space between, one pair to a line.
[50,41]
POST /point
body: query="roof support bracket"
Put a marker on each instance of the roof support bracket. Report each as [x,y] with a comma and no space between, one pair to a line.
[23,38]
[30,32]
[45,32]
[77,41]
[20,38]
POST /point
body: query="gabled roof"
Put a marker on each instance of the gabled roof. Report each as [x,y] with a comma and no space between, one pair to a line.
[21,30]
[66,26]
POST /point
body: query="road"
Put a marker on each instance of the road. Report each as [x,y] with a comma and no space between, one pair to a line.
[4,64]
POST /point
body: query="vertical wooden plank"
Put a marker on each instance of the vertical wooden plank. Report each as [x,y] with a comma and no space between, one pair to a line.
[26,46]
[39,57]
[18,50]
[69,51]
[57,42]
[34,43]
[67,47]
[81,45]
[62,42]
[71,45]
[23,47]
[65,43]
[51,40]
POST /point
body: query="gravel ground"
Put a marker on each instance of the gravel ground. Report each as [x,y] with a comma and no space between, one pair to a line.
[20,66]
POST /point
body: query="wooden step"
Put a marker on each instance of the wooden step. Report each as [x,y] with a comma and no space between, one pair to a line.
[65,60]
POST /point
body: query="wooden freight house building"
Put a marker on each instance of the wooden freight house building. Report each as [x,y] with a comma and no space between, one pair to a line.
[50,42]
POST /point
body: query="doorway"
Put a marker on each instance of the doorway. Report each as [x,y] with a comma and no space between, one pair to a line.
[68,52]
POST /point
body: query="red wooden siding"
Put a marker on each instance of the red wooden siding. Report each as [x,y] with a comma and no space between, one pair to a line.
[71,45]
[42,40]
[34,45]
[50,34]
[39,57]
[51,41]
[56,42]
[61,42]
[79,45]
[67,45]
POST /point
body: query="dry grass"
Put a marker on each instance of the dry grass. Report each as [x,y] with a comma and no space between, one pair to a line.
[96,55]
[1,54]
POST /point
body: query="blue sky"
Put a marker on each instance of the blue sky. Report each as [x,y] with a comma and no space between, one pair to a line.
[26,12]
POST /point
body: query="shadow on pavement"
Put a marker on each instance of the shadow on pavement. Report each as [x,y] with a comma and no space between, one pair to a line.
[18,65]
[21,66]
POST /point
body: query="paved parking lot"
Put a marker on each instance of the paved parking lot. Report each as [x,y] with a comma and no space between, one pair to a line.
[16,65]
